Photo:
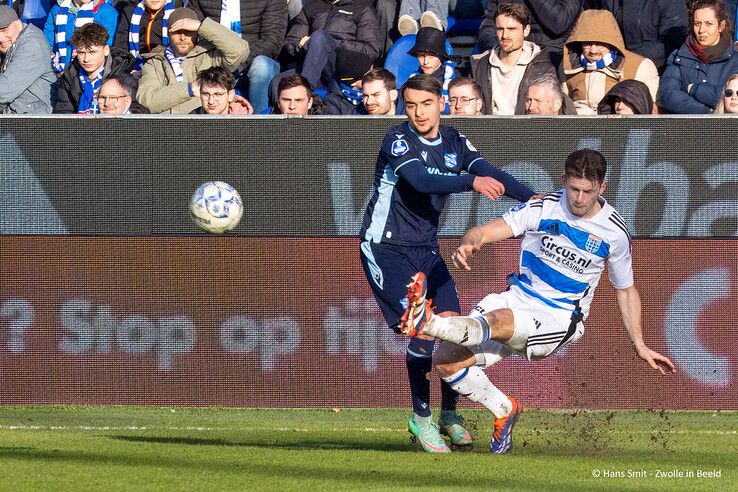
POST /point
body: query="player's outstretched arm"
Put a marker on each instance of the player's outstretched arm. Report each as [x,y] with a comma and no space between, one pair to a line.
[414,173]
[511,186]
[476,237]
[629,302]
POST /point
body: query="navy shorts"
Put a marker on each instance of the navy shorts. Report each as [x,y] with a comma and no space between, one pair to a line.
[389,267]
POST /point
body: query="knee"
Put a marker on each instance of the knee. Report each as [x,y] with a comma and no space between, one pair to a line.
[501,324]
[321,38]
[450,359]
[263,67]
[420,348]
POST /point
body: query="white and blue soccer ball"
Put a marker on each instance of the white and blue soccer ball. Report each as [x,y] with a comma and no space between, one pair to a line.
[216,207]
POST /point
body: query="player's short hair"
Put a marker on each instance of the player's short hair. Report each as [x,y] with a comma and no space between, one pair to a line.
[380,73]
[517,11]
[216,76]
[294,80]
[462,81]
[90,35]
[423,82]
[586,164]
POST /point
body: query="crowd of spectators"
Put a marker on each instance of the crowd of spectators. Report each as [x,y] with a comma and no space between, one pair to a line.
[327,56]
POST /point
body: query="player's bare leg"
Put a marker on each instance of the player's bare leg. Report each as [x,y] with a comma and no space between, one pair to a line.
[468,331]
[457,364]
[450,423]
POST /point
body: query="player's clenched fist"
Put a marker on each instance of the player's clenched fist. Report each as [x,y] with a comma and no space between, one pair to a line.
[489,187]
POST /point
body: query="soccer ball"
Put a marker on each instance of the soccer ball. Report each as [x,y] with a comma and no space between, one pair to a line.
[216,207]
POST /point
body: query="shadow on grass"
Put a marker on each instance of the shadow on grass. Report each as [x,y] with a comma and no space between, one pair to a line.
[303,444]
[308,472]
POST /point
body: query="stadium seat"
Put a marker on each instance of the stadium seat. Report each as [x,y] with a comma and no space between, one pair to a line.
[463,27]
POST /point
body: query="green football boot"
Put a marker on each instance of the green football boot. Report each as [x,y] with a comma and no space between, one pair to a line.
[426,433]
[451,424]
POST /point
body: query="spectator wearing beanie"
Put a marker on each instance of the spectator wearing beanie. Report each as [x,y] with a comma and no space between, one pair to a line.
[344,93]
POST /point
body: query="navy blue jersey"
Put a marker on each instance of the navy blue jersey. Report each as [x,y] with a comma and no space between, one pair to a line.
[413,178]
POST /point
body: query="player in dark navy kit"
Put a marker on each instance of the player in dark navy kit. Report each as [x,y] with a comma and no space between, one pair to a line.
[419,165]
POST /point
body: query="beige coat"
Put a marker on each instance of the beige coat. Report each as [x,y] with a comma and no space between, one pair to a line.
[587,88]
[158,88]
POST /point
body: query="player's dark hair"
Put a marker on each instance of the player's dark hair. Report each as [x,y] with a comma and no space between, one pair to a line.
[380,73]
[90,35]
[517,11]
[586,164]
[294,80]
[216,76]
[461,81]
[423,82]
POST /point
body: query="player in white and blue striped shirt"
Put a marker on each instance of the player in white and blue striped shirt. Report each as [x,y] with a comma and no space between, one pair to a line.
[568,238]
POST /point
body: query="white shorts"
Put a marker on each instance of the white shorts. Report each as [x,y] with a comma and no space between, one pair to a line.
[539,329]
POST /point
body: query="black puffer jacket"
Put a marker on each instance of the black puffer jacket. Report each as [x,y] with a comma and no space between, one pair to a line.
[353,23]
[634,92]
[651,28]
[117,63]
[263,23]
[551,22]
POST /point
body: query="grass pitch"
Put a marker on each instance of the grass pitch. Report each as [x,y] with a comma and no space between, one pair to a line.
[124,448]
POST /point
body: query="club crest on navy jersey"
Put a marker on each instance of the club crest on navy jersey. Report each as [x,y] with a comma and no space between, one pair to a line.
[449,160]
[399,147]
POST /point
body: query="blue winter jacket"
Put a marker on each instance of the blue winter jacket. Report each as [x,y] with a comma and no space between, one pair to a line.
[106,16]
[707,79]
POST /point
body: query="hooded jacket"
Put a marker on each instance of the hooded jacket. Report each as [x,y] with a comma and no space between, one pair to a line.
[117,63]
[353,23]
[27,83]
[634,92]
[158,89]
[588,87]
[536,66]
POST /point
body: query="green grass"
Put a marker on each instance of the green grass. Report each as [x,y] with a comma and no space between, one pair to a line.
[114,448]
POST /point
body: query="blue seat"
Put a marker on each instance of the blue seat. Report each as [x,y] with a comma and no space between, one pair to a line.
[400,63]
[463,26]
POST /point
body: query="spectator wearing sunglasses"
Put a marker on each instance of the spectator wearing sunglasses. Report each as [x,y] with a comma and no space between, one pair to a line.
[729,101]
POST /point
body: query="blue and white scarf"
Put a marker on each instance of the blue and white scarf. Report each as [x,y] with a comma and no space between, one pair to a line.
[176,63]
[230,15]
[133,32]
[88,99]
[603,62]
[354,96]
[448,75]
[85,14]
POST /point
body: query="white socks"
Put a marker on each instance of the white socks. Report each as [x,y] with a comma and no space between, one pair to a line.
[461,330]
[473,383]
